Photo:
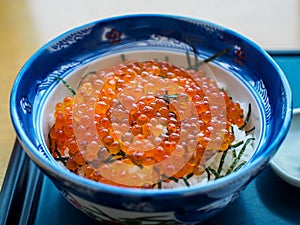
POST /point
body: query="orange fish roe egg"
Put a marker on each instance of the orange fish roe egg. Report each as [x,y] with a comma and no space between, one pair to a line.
[148,114]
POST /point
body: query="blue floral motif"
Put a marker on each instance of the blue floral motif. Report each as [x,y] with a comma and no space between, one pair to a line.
[163,41]
[240,56]
[46,83]
[194,216]
[207,30]
[64,193]
[262,91]
[71,39]
[42,150]
[25,104]
[55,75]
[213,31]
[140,206]
[283,99]
[99,212]
[113,36]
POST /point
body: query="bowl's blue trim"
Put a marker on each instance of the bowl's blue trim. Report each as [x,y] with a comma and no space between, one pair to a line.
[76,182]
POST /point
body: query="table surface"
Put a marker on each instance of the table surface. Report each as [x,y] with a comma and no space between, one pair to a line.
[27,24]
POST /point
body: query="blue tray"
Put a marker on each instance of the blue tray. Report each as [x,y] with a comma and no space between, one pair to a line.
[29,197]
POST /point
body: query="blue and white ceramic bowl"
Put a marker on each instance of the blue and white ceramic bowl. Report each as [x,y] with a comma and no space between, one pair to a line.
[245,70]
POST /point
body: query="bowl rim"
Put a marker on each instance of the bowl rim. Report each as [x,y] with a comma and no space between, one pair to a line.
[72,179]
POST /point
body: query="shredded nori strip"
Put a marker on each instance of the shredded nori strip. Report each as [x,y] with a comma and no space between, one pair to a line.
[239,166]
[159,185]
[166,97]
[223,52]
[247,118]
[109,159]
[237,144]
[123,57]
[185,179]
[249,131]
[189,175]
[221,163]
[174,179]
[60,158]
[233,147]
[208,174]
[196,60]
[186,182]
[188,59]
[212,171]
[233,152]
[66,85]
[85,76]
[121,153]
[235,162]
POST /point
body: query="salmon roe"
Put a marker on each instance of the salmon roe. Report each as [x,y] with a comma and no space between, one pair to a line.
[143,115]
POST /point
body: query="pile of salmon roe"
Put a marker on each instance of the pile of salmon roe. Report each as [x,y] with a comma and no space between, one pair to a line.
[142,123]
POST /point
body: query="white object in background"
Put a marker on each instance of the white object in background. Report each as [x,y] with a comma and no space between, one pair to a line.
[286,163]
